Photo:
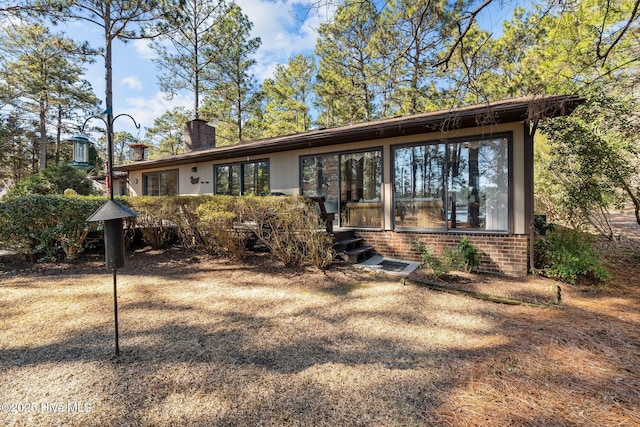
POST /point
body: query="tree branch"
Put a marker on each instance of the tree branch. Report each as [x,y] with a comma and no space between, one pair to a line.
[471,17]
[621,33]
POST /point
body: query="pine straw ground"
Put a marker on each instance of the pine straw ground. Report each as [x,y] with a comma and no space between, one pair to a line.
[211,342]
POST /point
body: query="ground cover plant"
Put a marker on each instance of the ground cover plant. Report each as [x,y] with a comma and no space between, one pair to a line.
[212,341]
[463,256]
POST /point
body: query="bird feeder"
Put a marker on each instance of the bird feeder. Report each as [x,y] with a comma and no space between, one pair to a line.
[80,151]
[113,213]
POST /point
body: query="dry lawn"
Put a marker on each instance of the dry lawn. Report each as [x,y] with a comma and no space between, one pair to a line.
[213,343]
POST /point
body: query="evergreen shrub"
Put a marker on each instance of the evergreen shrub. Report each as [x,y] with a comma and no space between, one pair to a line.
[54,180]
[289,227]
[568,255]
[156,219]
[43,227]
[465,256]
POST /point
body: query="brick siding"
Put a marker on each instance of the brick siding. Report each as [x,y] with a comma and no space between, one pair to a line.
[501,254]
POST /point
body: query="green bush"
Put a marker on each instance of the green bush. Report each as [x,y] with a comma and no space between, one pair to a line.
[290,228]
[185,211]
[156,219]
[464,256]
[42,226]
[54,180]
[440,265]
[469,254]
[568,255]
[219,227]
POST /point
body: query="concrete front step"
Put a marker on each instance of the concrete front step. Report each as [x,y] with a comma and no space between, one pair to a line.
[359,254]
[350,248]
[347,244]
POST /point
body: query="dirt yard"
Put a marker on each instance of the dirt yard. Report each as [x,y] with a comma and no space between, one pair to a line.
[213,343]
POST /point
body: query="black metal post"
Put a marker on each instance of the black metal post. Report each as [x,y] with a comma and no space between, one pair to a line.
[110,152]
[115,309]
[114,258]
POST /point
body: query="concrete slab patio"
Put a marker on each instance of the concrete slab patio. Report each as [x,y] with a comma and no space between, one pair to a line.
[389,266]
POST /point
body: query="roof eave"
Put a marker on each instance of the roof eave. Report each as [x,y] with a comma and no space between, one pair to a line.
[507,111]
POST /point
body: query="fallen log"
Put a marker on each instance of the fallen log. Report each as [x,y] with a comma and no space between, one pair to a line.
[479,295]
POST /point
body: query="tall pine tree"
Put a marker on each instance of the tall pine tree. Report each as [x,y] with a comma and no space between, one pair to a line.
[234,97]
[288,97]
[182,48]
[346,80]
[40,72]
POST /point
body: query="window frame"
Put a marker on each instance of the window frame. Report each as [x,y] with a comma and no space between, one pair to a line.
[241,174]
[145,175]
[458,140]
[340,154]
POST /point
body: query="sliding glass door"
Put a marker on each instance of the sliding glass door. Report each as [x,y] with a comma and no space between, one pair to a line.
[350,183]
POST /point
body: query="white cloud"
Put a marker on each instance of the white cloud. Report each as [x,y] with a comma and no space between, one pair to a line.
[145,109]
[283,35]
[132,82]
[143,49]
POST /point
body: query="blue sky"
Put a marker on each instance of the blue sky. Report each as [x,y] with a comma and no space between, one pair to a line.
[135,85]
[283,35]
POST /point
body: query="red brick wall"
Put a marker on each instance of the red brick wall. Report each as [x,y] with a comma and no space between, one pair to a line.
[506,254]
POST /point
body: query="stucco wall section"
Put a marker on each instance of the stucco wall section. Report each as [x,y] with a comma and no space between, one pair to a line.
[284,168]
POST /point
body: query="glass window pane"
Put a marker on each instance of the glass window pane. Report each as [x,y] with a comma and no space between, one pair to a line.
[320,178]
[249,177]
[457,185]
[151,184]
[419,186]
[477,182]
[494,183]
[360,183]
[479,185]
[235,180]
[169,183]
[222,180]
[160,183]
[255,178]
[262,178]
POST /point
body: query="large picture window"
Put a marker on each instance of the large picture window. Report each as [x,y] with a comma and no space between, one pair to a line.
[163,183]
[448,186]
[350,183]
[242,179]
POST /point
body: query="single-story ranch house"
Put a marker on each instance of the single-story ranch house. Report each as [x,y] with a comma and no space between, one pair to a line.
[430,177]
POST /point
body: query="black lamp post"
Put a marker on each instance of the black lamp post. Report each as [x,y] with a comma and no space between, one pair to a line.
[112,213]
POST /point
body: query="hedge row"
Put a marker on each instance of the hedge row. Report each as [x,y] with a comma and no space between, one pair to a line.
[40,227]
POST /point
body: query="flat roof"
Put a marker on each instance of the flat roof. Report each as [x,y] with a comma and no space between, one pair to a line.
[504,111]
